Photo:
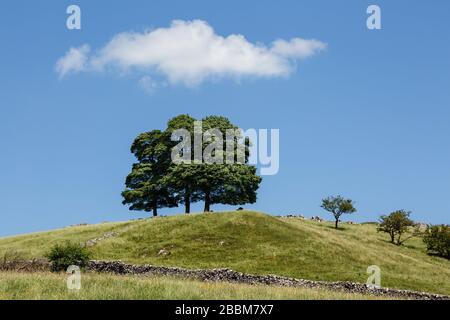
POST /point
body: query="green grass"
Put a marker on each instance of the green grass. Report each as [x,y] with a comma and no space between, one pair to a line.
[37,244]
[260,244]
[45,286]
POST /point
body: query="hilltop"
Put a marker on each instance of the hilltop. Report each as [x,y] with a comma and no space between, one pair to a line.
[254,243]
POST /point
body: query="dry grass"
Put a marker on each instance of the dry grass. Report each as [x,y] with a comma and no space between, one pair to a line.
[22,286]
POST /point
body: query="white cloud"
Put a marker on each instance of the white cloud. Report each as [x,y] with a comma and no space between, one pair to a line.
[190,52]
[75,60]
[297,48]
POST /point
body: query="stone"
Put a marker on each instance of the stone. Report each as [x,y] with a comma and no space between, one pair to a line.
[163,252]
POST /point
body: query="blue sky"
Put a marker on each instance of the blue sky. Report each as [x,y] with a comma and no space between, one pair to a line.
[367,118]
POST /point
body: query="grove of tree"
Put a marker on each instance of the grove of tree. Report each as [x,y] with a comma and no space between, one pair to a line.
[156,181]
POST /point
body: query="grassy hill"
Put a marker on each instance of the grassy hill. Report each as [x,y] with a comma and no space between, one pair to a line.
[255,243]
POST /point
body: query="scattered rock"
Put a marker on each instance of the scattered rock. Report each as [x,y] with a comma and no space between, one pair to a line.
[93,242]
[317,218]
[295,216]
[79,225]
[422,226]
[163,252]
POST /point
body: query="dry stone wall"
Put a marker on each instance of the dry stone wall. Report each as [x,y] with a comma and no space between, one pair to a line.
[227,275]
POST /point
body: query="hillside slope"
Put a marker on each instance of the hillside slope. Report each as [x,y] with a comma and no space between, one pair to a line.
[255,243]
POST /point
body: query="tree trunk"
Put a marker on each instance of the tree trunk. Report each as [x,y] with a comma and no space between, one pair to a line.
[187,203]
[336,217]
[207,201]
[155,211]
[399,243]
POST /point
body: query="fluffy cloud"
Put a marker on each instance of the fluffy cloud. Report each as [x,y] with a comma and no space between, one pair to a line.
[297,48]
[75,60]
[190,52]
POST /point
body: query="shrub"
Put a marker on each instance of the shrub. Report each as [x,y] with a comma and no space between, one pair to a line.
[437,239]
[64,255]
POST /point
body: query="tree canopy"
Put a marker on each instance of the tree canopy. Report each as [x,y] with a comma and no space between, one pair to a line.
[437,240]
[156,181]
[338,206]
[396,225]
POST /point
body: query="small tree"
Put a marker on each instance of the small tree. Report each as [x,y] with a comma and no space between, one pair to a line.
[338,206]
[437,239]
[396,225]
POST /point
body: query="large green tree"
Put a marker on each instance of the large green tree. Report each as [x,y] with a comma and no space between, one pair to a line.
[145,187]
[234,183]
[218,182]
[182,177]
